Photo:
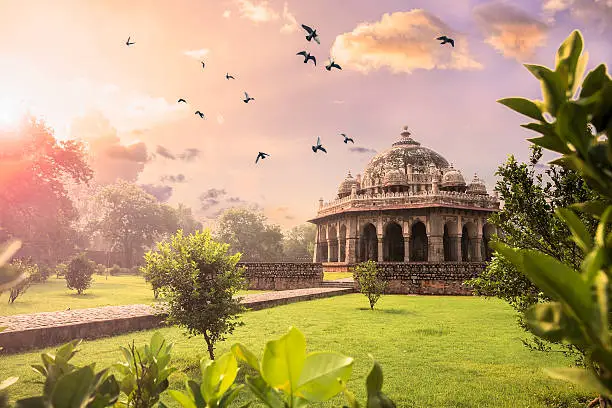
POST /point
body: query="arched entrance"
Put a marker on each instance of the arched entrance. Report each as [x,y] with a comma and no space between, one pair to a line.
[488,230]
[449,242]
[468,238]
[342,244]
[393,243]
[323,245]
[368,244]
[332,237]
[418,244]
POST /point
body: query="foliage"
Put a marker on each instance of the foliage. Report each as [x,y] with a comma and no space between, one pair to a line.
[247,233]
[199,280]
[60,270]
[528,220]
[68,385]
[298,243]
[579,130]
[34,203]
[370,283]
[145,372]
[79,273]
[23,268]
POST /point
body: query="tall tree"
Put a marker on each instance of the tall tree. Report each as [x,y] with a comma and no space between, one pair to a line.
[246,232]
[34,203]
[131,218]
[528,221]
[298,242]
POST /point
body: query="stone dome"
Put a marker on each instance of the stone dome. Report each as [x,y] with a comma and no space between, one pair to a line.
[477,186]
[395,178]
[402,154]
[452,178]
[348,183]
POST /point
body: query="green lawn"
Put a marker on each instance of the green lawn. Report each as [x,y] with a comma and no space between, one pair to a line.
[53,295]
[435,351]
[336,275]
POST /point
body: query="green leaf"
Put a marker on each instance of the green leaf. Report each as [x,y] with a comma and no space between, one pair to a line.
[157,342]
[580,234]
[555,144]
[374,382]
[72,389]
[595,207]
[32,402]
[594,81]
[283,361]
[553,89]
[243,354]
[547,320]
[571,126]
[323,375]
[217,376]
[230,396]
[264,392]
[193,389]
[8,382]
[567,58]
[600,233]
[581,377]
[523,106]
[592,263]
[182,399]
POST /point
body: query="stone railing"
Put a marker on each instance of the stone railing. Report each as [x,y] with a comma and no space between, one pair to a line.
[429,278]
[282,275]
[406,198]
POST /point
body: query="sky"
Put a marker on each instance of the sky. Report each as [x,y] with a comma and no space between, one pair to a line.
[67,62]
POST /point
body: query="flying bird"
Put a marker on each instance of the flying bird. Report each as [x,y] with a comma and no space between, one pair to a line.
[228,76]
[261,155]
[247,98]
[331,65]
[318,146]
[445,40]
[347,139]
[128,43]
[307,57]
[203,64]
[200,114]
[181,100]
[312,34]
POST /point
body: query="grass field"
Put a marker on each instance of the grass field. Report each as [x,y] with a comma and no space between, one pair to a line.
[336,275]
[53,295]
[435,351]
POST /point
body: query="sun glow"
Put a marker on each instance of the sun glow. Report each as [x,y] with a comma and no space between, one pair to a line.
[11,113]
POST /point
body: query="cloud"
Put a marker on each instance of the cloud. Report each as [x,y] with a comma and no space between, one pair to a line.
[291,24]
[598,12]
[108,157]
[227,13]
[403,42]
[233,200]
[162,151]
[197,54]
[179,178]
[211,198]
[162,193]
[189,154]
[220,119]
[259,13]
[357,149]
[510,30]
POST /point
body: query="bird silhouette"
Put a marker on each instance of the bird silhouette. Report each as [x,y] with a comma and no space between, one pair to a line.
[203,64]
[128,43]
[312,34]
[318,146]
[446,39]
[181,100]
[247,98]
[228,76]
[200,114]
[261,155]
[307,57]
[347,139]
[331,65]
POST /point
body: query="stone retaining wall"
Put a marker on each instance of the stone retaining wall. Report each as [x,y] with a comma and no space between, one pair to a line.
[282,275]
[445,278]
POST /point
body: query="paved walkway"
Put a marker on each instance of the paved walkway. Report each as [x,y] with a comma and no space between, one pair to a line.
[18,323]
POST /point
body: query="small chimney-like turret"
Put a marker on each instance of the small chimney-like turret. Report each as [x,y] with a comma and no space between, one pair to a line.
[434,186]
[353,190]
[358,178]
[321,202]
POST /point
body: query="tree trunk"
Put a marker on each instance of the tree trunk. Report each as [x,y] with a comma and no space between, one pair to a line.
[210,345]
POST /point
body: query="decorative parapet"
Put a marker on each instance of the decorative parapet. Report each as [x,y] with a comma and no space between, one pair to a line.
[382,200]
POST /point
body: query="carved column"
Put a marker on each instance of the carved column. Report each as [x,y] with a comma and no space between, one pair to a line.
[406,248]
[380,248]
[351,245]
[435,248]
[477,243]
[456,247]
[316,256]
[329,248]
[339,243]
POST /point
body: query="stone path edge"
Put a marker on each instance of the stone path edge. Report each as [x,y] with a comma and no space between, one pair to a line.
[19,339]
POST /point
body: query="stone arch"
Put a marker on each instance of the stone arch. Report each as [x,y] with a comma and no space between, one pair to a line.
[468,240]
[342,244]
[332,238]
[368,243]
[393,243]
[488,230]
[449,241]
[418,242]
[323,244]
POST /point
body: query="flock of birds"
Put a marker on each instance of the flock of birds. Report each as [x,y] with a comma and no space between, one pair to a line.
[311,35]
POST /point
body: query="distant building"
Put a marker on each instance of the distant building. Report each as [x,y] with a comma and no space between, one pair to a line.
[410,205]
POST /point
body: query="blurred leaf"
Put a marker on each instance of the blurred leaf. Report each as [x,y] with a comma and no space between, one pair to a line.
[182,399]
[283,361]
[595,207]
[579,376]
[523,106]
[323,375]
[553,89]
[245,355]
[8,382]
[571,126]
[580,234]
[594,81]
[264,392]
[547,320]
[567,58]
[606,218]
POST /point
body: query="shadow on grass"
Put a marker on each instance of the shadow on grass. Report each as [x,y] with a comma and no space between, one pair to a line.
[393,311]
[75,295]
[432,332]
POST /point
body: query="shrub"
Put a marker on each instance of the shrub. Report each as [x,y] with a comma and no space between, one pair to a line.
[23,268]
[99,269]
[79,273]
[60,270]
[114,270]
[199,280]
[367,276]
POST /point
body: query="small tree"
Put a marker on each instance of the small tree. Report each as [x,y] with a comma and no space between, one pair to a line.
[199,279]
[367,276]
[22,268]
[79,273]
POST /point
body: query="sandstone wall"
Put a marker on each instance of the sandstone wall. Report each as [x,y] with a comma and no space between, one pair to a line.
[445,278]
[282,275]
